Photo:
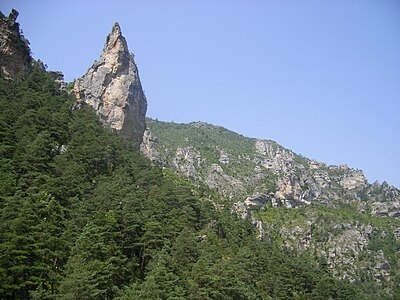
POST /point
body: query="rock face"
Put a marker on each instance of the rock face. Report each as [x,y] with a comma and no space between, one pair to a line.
[147,146]
[346,247]
[15,55]
[261,172]
[329,212]
[58,78]
[112,87]
[186,160]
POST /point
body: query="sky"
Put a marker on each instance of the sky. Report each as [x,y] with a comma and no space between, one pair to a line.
[319,77]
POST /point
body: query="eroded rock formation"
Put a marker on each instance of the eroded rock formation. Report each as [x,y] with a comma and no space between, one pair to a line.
[15,55]
[112,87]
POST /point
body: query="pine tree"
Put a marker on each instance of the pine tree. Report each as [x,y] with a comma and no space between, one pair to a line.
[96,267]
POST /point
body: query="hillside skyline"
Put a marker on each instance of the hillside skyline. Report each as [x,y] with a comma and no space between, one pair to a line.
[100,202]
[293,73]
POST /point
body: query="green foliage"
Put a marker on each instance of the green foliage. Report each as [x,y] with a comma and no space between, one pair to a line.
[212,141]
[206,137]
[329,223]
[96,266]
[84,216]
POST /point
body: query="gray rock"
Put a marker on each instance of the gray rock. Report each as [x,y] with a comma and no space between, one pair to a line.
[353,179]
[260,174]
[291,180]
[227,185]
[224,157]
[58,77]
[256,201]
[15,54]
[112,87]
[382,267]
[273,157]
[148,146]
[187,160]
[240,209]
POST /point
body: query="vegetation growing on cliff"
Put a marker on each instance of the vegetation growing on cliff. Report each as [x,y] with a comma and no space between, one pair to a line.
[84,216]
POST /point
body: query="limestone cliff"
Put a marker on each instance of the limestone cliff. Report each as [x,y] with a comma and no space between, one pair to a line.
[15,55]
[331,212]
[112,87]
[260,172]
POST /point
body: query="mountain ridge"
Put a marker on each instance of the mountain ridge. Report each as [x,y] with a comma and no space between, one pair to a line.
[206,123]
[97,221]
[265,153]
[301,204]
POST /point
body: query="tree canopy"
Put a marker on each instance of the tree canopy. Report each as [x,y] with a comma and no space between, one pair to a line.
[84,216]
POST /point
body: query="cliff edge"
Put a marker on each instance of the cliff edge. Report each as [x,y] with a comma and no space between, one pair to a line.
[15,54]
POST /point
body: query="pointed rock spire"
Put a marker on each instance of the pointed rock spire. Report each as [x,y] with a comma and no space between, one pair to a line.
[116,30]
[115,37]
[112,86]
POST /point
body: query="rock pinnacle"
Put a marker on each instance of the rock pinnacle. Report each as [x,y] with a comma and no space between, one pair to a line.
[112,87]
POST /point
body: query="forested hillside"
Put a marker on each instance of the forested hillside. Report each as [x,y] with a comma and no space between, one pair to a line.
[200,213]
[330,213]
[84,216]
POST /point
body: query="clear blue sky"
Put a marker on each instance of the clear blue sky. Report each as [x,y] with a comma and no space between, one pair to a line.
[319,77]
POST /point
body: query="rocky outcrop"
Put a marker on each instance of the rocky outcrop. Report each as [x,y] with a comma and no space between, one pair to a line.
[273,157]
[335,213]
[15,55]
[187,161]
[227,185]
[347,248]
[148,146]
[58,78]
[112,87]
[211,154]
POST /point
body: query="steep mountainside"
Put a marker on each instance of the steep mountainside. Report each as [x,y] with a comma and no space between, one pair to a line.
[15,55]
[84,216]
[258,172]
[348,223]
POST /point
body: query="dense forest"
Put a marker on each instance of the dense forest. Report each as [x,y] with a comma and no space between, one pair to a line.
[85,216]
